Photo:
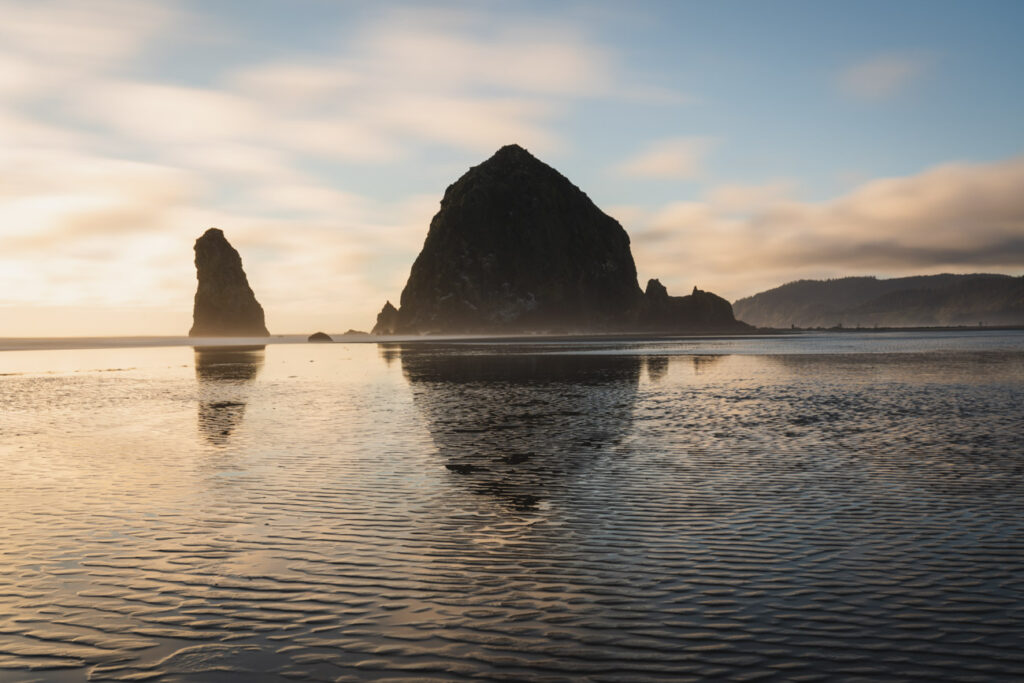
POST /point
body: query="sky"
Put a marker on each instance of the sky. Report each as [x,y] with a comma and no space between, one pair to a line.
[741,145]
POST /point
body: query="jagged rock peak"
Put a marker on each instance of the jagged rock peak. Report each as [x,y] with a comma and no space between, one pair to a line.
[512,151]
[225,305]
[387,319]
[517,247]
[699,310]
[656,290]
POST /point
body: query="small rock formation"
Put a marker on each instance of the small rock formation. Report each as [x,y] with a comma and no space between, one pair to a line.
[700,311]
[516,247]
[225,305]
[387,320]
[320,337]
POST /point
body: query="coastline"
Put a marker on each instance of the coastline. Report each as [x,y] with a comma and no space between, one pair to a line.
[73,343]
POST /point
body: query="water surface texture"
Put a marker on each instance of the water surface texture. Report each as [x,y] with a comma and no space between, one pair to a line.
[819,507]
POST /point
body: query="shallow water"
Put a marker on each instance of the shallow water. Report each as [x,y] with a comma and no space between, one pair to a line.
[795,508]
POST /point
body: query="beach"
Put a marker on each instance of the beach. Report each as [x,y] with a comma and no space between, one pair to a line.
[811,506]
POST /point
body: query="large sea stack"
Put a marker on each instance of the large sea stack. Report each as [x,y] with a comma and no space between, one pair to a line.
[225,305]
[516,247]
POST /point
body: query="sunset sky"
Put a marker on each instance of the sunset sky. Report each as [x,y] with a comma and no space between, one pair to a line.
[742,145]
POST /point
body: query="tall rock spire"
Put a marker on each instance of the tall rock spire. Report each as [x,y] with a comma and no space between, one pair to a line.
[225,305]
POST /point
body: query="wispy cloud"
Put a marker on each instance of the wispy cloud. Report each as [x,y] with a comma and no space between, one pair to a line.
[81,34]
[675,158]
[110,168]
[883,76]
[735,197]
[454,51]
[428,76]
[111,162]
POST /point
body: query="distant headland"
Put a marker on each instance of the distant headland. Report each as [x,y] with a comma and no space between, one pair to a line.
[980,300]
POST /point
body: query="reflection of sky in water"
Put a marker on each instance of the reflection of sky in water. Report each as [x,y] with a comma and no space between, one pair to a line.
[354,510]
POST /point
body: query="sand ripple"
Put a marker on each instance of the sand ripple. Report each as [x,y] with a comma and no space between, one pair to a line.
[430,514]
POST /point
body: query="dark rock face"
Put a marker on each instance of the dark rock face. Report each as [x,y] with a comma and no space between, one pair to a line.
[517,247]
[387,320]
[224,305]
[320,337]
[700,311]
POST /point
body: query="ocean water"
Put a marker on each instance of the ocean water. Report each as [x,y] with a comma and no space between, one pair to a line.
[810,507]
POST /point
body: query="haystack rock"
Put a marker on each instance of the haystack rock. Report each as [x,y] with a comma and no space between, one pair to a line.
[699,311]
[516,247]
[320,338]
[225,305]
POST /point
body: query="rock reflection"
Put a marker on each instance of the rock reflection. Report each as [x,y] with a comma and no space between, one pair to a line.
[521,426]
[702,363]
[223,373]
[389,352]
[657,367]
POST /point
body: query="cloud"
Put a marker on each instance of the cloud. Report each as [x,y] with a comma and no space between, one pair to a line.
[294,84]
[431,77]
[951,217]
[18,132]
[84,33]
[237,161]
[476,123]
[112,163]
[675,158]
[85,231]
[883,76]
[165,114]
[444,50]
[749,197]
[408,79]
[51,197]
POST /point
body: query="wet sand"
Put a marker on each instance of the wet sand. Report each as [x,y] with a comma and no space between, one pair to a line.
[779,509]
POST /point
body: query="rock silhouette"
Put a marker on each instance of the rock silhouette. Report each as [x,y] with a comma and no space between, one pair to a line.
[387,320]
[699,311]
[521,427]
[517,247]
[223,374]
[921,300]
[320,337]
[225,305]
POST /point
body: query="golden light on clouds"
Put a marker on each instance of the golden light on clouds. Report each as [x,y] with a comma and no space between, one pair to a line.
[127,129]
[951,217]
[674,159]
